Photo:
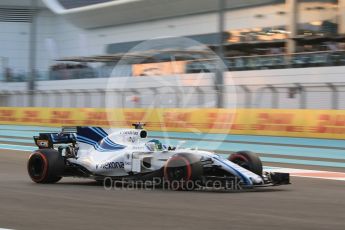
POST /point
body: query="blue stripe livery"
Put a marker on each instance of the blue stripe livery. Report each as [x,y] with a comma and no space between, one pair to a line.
[98,138]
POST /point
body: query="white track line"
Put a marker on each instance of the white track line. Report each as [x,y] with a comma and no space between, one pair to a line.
[328,175]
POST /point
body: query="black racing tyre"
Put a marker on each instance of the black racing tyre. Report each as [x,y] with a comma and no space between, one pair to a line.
[46,166]
[183,171]
[247,160]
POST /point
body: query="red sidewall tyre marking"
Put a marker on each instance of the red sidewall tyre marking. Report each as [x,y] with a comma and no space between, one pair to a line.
[45,167]
[189,167]
[238,156]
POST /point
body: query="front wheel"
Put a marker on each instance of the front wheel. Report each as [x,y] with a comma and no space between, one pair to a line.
[183,171]
[46,166]
[247,160]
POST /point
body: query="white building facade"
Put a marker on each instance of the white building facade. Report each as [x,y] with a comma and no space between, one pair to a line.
[88,30]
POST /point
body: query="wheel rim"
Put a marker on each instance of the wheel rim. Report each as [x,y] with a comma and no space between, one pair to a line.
[37,167]
[177,173]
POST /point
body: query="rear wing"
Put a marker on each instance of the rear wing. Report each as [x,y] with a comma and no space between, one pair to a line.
[69,129]
[68,135]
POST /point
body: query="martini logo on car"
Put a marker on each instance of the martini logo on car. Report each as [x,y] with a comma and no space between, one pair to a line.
[129,133]
[43,143]
[113,165]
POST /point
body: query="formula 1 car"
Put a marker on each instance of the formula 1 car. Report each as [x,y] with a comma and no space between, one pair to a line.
[128,154]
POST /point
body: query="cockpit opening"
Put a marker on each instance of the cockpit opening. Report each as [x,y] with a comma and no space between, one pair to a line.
[154,145]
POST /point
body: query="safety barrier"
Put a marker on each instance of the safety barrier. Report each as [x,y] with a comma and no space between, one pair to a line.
[272,122]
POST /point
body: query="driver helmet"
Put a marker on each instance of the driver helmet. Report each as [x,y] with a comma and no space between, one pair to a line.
[154,145]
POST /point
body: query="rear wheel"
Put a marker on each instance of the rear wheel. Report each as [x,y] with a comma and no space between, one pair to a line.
[182,171]
[247,160]
[46,166]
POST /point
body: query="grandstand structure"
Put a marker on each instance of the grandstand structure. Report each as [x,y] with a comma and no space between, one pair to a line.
[47,40]
[96,27]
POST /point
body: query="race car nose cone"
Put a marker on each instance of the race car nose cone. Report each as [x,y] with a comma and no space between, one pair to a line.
[256,180]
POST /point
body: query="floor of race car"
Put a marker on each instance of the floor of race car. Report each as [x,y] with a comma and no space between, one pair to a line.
[82,204]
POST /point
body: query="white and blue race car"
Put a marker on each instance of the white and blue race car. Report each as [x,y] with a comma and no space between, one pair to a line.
[128,155]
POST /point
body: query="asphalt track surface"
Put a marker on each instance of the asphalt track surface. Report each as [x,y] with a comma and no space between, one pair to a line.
[82,204]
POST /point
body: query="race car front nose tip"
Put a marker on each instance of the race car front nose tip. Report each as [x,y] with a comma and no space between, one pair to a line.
[256,180]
